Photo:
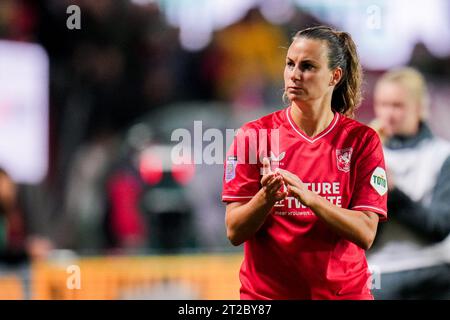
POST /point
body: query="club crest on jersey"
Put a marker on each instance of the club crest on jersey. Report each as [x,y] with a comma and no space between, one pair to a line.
[230,168]
[343,157]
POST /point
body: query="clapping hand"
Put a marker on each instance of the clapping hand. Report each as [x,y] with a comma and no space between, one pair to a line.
[272,182]
[296,187]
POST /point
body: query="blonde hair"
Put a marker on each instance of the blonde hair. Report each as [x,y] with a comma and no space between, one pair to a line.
[413,81]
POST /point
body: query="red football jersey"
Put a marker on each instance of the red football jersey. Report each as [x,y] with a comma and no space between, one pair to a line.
[295,255]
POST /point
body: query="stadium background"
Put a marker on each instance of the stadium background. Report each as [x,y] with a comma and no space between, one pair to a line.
[86,117]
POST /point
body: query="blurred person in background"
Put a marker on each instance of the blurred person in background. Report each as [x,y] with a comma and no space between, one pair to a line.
[85,204]
[410,250]
[15,245]
[249,54]
[11,226]
[126,225]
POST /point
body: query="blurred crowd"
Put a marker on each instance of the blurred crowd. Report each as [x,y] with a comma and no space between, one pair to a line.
[123,66]
[117,87]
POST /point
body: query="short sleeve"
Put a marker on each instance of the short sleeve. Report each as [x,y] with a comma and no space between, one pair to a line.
[241,178]
[370,188]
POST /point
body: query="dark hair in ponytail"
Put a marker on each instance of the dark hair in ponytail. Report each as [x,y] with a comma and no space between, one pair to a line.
[341,53]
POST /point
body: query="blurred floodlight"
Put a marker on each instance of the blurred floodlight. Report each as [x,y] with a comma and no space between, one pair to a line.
[198,19]
[385,31]
[277,12]
[24,82]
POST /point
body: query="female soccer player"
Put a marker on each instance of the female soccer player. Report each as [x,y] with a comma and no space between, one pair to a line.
[310,208]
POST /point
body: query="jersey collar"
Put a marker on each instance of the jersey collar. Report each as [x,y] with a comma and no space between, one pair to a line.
[303,135]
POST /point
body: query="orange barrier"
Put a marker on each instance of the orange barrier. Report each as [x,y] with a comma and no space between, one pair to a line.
[150,277]
[11,288]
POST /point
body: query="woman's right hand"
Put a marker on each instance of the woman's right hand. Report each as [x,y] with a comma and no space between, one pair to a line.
[272,182]
[243,219]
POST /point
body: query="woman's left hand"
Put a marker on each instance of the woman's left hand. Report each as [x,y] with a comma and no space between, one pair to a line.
[359,227]
[297,188]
